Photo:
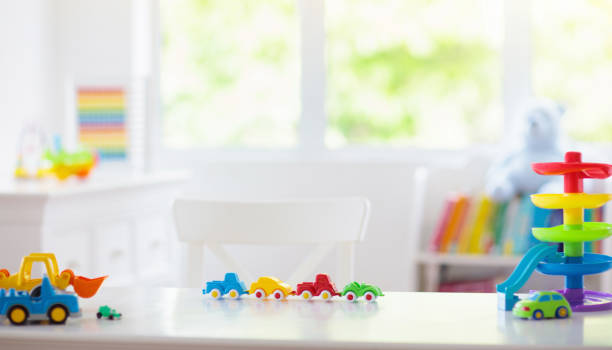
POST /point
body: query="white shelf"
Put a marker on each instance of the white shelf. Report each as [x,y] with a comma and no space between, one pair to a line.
[432,263]
[468,260]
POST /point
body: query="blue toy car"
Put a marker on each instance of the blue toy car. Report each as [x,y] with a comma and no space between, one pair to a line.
[231,286]
[43,302]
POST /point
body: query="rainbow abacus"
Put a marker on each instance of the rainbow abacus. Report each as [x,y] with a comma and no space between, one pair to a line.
[102,121]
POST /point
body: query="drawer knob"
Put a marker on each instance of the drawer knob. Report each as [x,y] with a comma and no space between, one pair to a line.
[116,254]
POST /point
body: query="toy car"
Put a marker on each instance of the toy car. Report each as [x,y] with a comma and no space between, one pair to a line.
[321,286]
[106,311]
[43,302]
[231,286]
[354,290]
[270,286]
[541,305]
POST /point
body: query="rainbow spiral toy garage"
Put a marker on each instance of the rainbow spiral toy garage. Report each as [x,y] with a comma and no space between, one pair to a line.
[572,262]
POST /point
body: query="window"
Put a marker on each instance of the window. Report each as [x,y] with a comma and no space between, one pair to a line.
[442,74]
[421,72]
[229,73]
[545,298]
[573,63]
[557,297]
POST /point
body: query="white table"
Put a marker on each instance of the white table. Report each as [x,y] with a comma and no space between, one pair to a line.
[184,319]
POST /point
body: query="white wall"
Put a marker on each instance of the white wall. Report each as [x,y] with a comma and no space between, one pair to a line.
[384,256]
[44,45]
[27,60]
[94,45]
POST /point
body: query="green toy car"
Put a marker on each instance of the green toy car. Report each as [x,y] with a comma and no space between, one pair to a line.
[354,290]
[541,305]
[106,311]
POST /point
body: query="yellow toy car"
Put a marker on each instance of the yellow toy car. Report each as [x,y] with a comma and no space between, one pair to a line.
[270,286]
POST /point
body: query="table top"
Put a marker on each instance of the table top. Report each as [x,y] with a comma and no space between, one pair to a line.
[51,187]
[184,318]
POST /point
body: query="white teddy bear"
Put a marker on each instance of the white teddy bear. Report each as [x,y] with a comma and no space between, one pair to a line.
[539,130]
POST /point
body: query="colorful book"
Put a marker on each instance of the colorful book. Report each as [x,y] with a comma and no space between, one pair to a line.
[499,221]
[462,226]
[479,226]
[454,223]
[505,240]
[436,240]
[463,240]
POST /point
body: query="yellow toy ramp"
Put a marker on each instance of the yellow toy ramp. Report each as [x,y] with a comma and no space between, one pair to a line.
[570,200]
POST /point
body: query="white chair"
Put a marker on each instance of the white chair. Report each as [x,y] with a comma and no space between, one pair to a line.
[326,223]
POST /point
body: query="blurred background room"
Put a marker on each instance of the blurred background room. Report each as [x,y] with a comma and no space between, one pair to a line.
[110,110]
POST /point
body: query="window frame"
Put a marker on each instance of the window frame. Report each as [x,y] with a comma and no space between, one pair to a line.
[312,121]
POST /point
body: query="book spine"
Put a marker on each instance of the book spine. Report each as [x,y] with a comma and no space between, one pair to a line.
[479,226]
[436,240]
[453,225]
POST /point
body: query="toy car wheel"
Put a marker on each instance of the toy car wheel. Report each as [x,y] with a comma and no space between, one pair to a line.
[326,295]
[57,314]
[260,293]
[99,315]
[350,296]
[233,294]
[562,312]
[306,295]
[538,315]
[215,293]
[278,294]
[369,297]
[111,317]
[18,315]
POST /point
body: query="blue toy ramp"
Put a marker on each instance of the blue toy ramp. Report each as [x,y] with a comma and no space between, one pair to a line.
[505,291]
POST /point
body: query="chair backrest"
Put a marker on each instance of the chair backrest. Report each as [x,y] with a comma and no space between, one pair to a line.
[328,223]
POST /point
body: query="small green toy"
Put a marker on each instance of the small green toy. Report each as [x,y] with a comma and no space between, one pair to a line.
[354,290]
[541,305]
[106,311]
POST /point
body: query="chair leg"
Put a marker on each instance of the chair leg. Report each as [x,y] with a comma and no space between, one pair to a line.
[312,260]
[194,265]
[346,263]
[220,252]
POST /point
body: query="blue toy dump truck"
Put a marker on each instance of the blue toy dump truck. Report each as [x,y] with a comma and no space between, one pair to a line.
[43,302]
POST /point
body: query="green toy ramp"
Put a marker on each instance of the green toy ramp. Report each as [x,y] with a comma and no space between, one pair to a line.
[588,231]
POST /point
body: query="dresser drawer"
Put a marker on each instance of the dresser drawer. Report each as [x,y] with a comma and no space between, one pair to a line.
[113,254]
[152,251]
[72,250]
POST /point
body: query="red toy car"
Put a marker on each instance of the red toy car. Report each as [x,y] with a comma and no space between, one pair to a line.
[322,286]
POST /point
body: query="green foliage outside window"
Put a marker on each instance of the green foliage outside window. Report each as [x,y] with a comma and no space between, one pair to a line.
[421,72]
[573,63]
[230,73]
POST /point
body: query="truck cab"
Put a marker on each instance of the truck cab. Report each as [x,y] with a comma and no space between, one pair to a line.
[231,285]
[44,302]
[322,286]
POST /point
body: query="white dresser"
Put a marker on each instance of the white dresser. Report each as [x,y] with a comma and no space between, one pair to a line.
[116,226]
